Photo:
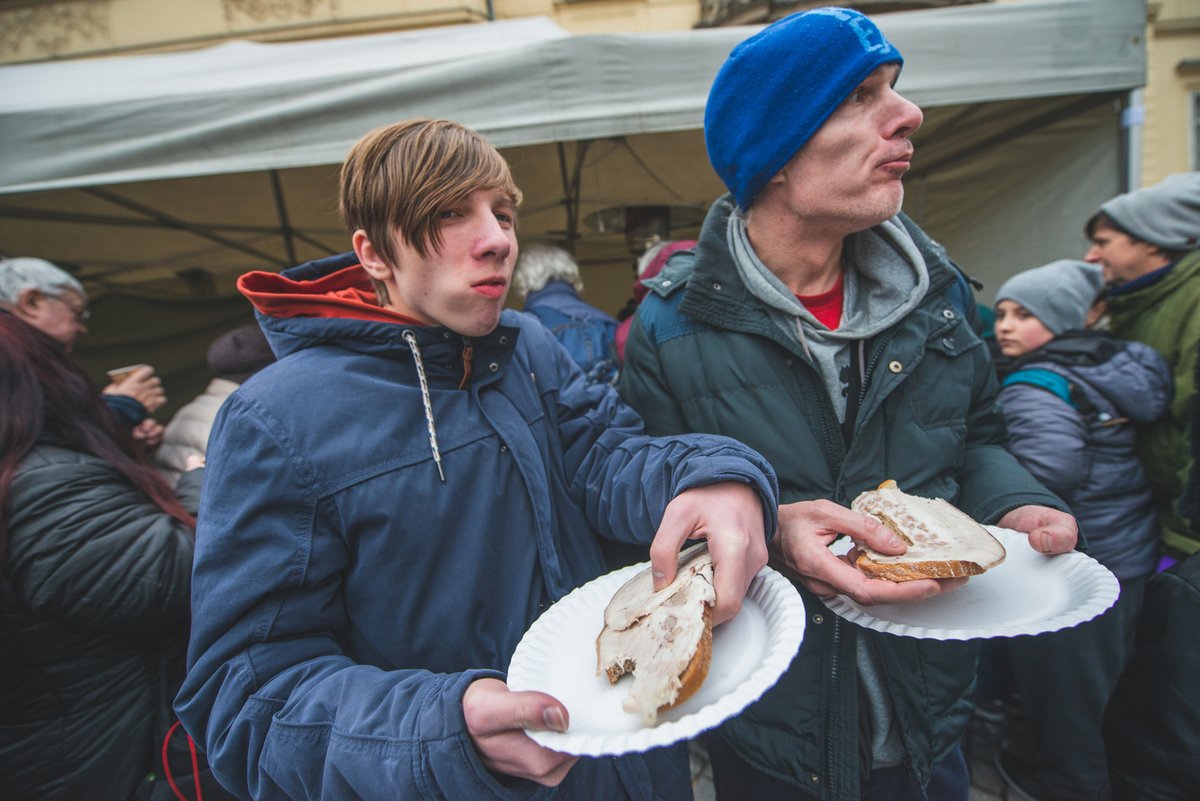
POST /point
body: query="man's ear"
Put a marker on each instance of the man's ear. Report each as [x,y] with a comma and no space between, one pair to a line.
[29,303]
[369,257]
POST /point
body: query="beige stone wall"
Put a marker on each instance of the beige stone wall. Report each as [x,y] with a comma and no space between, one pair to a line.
[1173,37]
[38,30]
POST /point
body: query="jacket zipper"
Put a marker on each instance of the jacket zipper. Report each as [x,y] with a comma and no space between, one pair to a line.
[831,716]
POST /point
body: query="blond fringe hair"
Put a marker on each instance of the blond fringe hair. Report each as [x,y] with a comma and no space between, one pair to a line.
[399,178]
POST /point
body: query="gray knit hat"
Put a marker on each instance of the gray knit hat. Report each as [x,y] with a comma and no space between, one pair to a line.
[1167,215]
[1059,293]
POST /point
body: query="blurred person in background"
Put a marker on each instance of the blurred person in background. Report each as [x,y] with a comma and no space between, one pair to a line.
[1152,724]
[232,358]
[1148,244]
[548,279]
[96,555]
[649,264]
[54,302]
[1072,400]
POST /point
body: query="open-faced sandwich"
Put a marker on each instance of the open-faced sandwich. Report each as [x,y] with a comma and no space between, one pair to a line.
[663,638]
[942,541]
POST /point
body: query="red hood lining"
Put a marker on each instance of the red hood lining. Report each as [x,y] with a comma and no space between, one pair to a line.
[345,294]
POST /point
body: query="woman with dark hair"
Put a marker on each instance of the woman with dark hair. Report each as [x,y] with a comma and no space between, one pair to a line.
[95,575]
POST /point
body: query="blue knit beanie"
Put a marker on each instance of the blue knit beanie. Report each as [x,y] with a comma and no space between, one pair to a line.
[779,86]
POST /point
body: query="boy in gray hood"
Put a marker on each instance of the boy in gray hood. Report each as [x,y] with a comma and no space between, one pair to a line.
[1073,399]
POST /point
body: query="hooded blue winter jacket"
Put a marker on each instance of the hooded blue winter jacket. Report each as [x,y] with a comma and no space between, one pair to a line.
[345,596]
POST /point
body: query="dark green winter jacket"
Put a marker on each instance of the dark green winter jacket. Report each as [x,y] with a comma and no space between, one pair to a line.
[1166,316]
[703,356]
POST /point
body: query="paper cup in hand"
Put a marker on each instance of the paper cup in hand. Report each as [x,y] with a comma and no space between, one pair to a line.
[121,373]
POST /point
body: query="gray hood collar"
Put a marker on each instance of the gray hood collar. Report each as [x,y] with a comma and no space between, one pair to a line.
[885,280]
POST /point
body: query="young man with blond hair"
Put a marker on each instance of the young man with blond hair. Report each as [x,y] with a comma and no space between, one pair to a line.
[391,504]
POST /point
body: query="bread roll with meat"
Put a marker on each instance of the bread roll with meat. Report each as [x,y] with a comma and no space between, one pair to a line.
[663,638]
[943,542]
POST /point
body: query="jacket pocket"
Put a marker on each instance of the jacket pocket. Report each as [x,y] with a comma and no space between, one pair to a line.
[939,394]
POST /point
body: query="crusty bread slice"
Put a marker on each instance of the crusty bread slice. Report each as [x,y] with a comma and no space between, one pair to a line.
[943,542]
[663,638]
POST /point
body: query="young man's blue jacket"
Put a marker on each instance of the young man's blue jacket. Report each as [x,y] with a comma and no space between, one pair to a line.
[345,596]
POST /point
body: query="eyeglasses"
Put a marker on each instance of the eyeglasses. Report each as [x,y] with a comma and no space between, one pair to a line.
[82,313]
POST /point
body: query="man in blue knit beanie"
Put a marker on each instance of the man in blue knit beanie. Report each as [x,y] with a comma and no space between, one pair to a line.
[821,326]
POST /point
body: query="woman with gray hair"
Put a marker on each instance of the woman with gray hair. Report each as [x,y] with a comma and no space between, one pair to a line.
[547,277]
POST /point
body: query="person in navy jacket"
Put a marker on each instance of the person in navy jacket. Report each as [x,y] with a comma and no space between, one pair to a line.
[390,505]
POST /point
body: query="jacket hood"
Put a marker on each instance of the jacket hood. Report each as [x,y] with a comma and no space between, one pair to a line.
[328,299]
[888,279]
[330,302]
[332,287]
[1131,376]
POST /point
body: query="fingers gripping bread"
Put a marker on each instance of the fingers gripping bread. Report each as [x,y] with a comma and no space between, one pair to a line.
[943,542]
[663,638]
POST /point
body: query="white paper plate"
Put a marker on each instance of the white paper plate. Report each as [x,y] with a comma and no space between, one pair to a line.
[1029,593]
[558,656]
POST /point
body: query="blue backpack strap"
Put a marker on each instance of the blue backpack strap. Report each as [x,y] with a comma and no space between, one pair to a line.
[1043,379]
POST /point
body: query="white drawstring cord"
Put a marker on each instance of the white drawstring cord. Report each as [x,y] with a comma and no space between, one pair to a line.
[433,443]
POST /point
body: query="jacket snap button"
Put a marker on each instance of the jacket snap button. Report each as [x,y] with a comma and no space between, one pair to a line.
[504,449]
[947,342]
[948,314]
[716,286]
[666,282]
[493,367]
[788,362]
[815,779]
[896,367]
[818,619]
[503,340]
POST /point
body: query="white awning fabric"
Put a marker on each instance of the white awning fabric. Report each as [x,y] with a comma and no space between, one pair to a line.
[158,179]
[242,106]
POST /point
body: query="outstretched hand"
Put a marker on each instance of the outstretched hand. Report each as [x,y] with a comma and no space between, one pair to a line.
[807,528]
[1049,530]
[497,719]
[729,515]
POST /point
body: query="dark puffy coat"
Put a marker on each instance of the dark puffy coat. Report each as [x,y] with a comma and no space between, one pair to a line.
[704,356]
[1152,725]
[1081,446]
[93,631]
[345,596]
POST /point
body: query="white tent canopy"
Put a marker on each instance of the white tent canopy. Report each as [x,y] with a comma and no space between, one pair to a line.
[242,106]
[158,178]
